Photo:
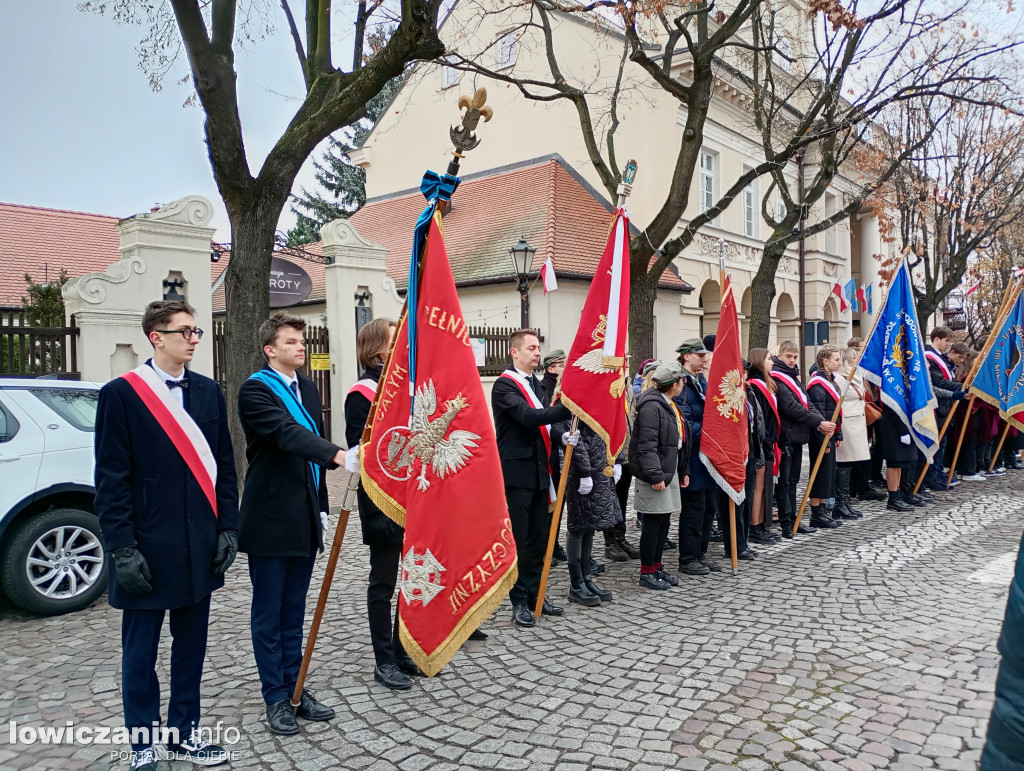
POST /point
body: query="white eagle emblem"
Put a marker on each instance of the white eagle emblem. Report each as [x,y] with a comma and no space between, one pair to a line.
[444,455]
[732,399]
[593,362]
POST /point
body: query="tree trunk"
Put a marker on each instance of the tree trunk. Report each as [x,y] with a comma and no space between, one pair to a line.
[643,291]
[247,299]
[762,292]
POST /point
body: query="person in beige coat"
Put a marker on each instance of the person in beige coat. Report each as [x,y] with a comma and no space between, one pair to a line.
[855,447]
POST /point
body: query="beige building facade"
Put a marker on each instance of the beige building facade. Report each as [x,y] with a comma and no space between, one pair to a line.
[412,136]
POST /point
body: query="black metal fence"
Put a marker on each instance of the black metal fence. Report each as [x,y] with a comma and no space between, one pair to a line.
[38,351]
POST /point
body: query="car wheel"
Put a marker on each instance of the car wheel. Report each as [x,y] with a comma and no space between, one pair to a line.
[53,562]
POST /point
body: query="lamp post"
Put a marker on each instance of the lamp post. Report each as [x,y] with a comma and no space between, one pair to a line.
[522,260]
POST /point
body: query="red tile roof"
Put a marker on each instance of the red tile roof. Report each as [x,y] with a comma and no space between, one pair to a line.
[41,241]
[542,202]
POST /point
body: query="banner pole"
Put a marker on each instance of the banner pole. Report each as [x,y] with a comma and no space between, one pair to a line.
[732,534]
[1004,308]
[325,587]
[960,440]
[999,447]
[556,518]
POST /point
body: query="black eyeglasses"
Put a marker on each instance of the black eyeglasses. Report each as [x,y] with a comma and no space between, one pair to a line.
[187,332]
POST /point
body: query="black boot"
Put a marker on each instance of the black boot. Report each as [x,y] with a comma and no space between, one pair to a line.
[631,551]
[896,502]
[603,594]
[820,518]
[843,507]
[578,590]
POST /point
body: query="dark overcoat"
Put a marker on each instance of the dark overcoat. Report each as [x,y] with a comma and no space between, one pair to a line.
[280,511]
[691,404]
[147,495]
[798,422]
[599,509]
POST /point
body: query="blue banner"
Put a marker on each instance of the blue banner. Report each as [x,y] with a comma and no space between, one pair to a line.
[871,305]
[894,361]
[1000,377]
[850,290]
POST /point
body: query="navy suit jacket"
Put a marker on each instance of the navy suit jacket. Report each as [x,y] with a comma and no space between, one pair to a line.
[280,513]
[146,494]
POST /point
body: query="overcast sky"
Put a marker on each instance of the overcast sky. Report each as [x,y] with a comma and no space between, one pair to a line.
[81,129]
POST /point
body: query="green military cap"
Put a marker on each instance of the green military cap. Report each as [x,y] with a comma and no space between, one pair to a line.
[667,372]
[693,345]
[554,357]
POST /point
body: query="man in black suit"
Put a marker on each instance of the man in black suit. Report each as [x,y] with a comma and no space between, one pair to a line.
[522,417]
[283,514]
[167,501]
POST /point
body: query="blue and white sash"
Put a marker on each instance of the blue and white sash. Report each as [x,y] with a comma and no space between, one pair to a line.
[280,389]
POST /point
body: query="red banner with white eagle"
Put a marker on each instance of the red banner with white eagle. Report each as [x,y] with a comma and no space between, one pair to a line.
[431,464]
[594,381]
[724,443]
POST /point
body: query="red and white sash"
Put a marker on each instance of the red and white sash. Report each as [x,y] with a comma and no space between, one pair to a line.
[366,387]
[180,428]
[828,386]
[773,402]
[792,385]
[545,431]
[935,358]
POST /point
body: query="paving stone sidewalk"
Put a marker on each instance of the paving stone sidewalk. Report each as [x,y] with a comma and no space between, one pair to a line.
[869,647]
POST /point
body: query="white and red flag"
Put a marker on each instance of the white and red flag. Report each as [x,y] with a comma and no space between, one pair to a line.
[724,443]
[838,292]
[594,383]
[547,275]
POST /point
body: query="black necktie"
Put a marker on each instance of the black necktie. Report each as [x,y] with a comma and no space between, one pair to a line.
[182,384]
[295,389]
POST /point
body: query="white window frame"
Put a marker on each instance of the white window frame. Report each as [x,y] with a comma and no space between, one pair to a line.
[707,184]
[785,49]
[508,46]
[748,207]
[450,76]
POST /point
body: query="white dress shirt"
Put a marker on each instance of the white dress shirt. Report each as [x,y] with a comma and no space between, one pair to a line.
[177,393]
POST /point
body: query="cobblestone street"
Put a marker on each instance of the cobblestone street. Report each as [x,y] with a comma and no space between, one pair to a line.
[869,647]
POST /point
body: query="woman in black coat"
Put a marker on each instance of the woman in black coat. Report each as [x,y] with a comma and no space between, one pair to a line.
[824,396]
[381,534]
[592,505]
[660,458]
[761,389]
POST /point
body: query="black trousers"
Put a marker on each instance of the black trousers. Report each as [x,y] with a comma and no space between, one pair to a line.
[695,520]
[653,534]
[140,688]
[384,559]
[618,530]
[531,521]
[279,586]
[789,477]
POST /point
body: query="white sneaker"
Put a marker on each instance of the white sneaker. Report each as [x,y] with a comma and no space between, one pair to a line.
[973,478]
[147,759]
[197,750]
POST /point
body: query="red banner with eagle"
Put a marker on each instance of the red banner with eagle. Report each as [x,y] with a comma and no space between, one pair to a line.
[594,381]
[724,443]
[431,464]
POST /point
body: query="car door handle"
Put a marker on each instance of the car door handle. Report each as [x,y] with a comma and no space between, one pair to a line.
[9,459]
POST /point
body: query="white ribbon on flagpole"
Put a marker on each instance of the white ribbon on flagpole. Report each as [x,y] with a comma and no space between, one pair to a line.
[611,334]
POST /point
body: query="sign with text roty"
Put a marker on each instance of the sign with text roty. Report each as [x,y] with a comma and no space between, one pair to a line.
[289,284]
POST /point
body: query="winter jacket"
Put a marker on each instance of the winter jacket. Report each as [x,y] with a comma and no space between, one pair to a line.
[599,509]
[1004,747]
[797,421]
[943,387]
[691,404]
[755,433]
[822,400]
[378,528]
[654,454]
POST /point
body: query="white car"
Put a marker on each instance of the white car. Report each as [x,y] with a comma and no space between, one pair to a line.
[51,550]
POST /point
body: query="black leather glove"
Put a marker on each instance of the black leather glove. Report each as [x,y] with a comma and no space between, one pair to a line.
[959,396]
[132,570]
[227,549]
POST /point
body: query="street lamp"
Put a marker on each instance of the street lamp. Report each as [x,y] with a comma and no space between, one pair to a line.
[522,260]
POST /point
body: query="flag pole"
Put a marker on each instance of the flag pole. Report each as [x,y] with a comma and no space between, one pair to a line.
[464,138]
[999,447]
[325,588]
[842,398]
[1000,318]
[624,189]
[1003,313]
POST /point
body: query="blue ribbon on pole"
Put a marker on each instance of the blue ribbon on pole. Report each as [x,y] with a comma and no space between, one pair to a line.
[435,188]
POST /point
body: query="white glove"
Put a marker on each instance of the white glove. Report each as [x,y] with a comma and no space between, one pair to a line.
[571,438]
[352,459]
[905,439]
[586,485]
[323,521]
[618,472]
